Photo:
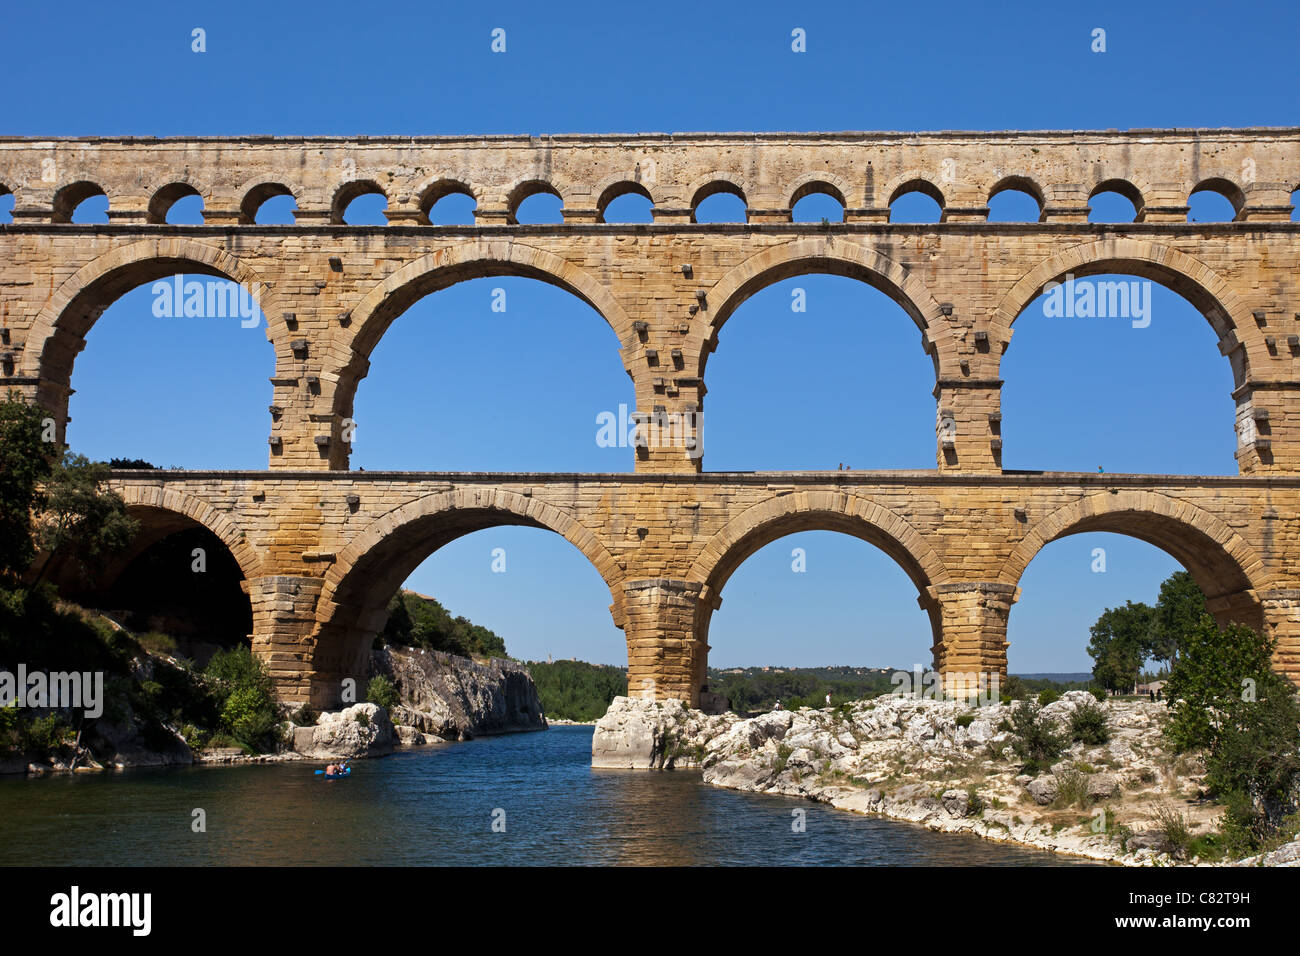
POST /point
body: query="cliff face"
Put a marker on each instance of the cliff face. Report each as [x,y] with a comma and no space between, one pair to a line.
[455,698]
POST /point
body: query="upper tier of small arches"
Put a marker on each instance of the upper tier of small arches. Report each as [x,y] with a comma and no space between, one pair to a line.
[1253,174]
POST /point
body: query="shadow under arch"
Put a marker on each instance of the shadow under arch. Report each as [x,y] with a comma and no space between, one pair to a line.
[768,521]
[163,513]
[58,334]
[353,604]
[827,255]
[1190,278]
[1223,565]
[438,270]
[171,510]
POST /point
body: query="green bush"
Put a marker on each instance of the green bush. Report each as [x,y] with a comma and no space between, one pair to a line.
[1072,790]
[1175,836]
[1035,739]
[965,720]
[242,692]
[1227,699]
[305,716]
[1089,725]
[44,734]
[381,691]
[1049,696]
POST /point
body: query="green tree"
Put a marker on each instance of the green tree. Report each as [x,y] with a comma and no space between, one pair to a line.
[1179,610]
[1226,698]
[1119,645]
[81,518]
[25,464]
[1214,669]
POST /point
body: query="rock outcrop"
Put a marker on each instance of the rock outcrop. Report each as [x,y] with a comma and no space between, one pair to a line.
[445,697]
[640,734]
[942,764]
[362,730]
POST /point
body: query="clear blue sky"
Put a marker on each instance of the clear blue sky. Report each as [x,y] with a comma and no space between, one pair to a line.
[1078,394]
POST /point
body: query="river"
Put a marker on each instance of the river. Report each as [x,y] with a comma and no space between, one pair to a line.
[439,805]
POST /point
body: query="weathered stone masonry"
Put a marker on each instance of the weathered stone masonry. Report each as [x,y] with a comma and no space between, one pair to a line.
[323,548]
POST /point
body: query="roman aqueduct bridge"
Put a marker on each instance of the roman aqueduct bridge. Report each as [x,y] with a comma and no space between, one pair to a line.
[322,548]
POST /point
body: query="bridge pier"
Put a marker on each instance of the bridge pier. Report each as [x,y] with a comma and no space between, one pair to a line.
[1281,612]
[284,620]
[664,653]
[970,623]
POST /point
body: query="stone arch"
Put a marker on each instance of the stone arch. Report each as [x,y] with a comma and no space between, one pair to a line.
[58,334]
[713,183]
[835,256]
[913,180]
[1218,558]
[840,511]
[1133,189]
[347,192]
[1021,184]
[155,497]
[525,189]
[255,192]
[1189,277]
[820,182]
[429,192]
[614,187]
[162,198]
[445,267]
[1224,186]
[357,587]
[68,197]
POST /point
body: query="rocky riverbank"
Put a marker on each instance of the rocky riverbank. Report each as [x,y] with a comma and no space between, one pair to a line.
[944,765]
[443,698]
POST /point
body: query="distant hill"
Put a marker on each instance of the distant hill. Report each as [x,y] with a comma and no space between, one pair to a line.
[1084,677]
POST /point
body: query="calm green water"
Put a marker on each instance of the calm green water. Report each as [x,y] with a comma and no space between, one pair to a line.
[436,806]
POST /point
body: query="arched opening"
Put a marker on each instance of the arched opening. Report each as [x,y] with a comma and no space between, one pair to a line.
[498,570]
[6,204]
[1108,549]
[1116,369]
[179,348]
[806,557]
[626,202]
[841,611]
[268,204]
[81,202]
[176,203]
[817,202]
[448,203]
[176,578]
[719,202]
[833,407]
[916,201]
[182,581]
[1015,199]
[1066,588]
[360,203]
[1215,200]
[1295,205]
[536,203]
[1115,200]
[495,373]
[530,587]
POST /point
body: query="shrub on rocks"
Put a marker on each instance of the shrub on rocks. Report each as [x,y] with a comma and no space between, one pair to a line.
[1035,740]
[1089,725]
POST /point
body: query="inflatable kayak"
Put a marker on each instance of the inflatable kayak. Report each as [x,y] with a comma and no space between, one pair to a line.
[333,776]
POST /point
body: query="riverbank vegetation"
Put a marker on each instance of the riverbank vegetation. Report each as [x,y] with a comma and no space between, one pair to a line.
[415,620]
[575,690]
